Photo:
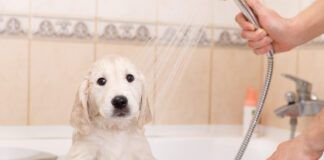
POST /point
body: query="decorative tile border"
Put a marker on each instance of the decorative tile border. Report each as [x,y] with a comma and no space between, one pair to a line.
[13,25]
[117,31]
[227,37]
[184,35]
[44,27]
[126,31]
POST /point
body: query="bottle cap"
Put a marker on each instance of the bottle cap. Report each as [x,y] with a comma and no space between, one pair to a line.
[251,97]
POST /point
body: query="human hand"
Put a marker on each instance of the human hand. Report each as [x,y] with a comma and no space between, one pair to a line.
[276,31]
[296,149]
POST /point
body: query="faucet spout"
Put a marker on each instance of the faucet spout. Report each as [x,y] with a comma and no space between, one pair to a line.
[303,108]
[301,103]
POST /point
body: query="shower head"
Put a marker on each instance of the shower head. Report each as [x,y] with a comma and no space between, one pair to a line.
[246,10]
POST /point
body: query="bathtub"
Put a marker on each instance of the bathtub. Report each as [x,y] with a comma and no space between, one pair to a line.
[167,142]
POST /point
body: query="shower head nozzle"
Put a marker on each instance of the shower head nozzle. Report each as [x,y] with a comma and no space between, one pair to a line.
[246,10]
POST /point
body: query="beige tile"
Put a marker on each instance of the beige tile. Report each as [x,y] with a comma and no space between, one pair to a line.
[234,70]
[128,10]
[182,93]
[14,6]
[142,56]
[174,11]
[284,63]
[224,14]
[310,68]
[56,71]
[14,78]
[65,8]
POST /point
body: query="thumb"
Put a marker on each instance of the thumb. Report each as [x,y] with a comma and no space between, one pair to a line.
[256,6]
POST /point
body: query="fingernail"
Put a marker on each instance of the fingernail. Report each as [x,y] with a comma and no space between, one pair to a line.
[262,32]
[259,31]
[251,26]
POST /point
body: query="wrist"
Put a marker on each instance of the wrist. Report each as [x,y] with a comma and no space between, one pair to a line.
[294,32]
[309,147]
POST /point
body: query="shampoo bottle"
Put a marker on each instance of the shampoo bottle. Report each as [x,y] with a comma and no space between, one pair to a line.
[249,110]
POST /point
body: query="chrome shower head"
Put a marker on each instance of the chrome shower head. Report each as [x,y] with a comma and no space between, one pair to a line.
[246,10]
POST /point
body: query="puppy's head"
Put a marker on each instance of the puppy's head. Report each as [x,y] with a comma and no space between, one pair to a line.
[112,95]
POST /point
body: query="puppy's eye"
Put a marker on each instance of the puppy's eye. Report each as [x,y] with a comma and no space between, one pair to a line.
[130,78]
[101,81]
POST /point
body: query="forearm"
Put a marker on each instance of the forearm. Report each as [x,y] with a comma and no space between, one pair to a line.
[309,23]
[313,136]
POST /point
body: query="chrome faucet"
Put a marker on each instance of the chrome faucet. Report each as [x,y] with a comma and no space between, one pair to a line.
[301,103]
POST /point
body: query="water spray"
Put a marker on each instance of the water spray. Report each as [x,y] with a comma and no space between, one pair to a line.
[242,4]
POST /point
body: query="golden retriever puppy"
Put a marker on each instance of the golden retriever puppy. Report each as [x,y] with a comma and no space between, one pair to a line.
[110,110]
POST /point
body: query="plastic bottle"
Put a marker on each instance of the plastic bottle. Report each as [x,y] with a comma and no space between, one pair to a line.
[249,109]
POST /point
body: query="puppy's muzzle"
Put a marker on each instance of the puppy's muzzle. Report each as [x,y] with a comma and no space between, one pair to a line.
[120,104]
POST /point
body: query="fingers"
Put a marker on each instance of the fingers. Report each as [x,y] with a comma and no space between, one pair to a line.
[244,24]
[256,6]
[261,43]
[254,35]
[262,50]
[258,41]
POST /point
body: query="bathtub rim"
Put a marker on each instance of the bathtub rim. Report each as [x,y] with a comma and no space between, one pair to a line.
[65,131]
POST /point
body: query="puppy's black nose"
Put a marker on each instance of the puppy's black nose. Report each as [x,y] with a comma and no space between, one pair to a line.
[119,102]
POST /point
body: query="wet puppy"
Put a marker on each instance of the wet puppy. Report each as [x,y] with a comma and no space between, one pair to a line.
[110,110]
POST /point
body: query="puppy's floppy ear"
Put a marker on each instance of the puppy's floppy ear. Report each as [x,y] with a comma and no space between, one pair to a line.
[80,117]
[145,115]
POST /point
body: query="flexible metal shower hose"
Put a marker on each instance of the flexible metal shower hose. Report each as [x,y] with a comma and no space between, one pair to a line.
[264,92]
[259,110]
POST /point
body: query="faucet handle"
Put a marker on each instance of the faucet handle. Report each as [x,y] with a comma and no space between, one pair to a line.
[290,98]
[303,86]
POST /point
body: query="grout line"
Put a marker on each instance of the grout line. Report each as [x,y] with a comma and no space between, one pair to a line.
[56,16]
[29,65]
[62,17]
[154,82]
[96,33]
[155,61]
[211,70]
[97,20]
[297,62]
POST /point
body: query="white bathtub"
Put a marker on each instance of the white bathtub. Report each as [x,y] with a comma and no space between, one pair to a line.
[167,142]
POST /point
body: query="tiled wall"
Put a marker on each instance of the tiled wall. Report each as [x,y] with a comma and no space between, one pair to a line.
[47,46]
